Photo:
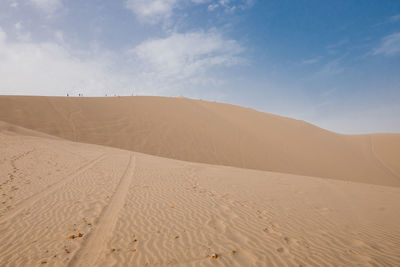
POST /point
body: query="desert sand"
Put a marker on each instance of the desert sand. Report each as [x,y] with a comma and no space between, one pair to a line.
[65,202]
[209,132]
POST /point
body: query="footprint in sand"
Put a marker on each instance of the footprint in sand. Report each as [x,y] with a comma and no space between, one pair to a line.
[282,250]
[290,241]
[270,230]
[275,225]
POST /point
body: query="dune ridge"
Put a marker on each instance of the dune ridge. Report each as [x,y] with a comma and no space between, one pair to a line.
[209,132]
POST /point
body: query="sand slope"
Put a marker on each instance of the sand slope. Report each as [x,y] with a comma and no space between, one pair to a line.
[208,132]
[139,210]
[11,129]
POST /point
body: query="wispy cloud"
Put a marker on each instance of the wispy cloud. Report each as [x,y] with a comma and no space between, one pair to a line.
[22,35]
[212,7]
[389,46]
[337,44]
[331,68]
[156,66]
[185,59]
[48,6]
[391,19]
[14,3]
[188,53]
[231,6]
[311,61]
[152,11]
[3,36]
[157,11]
[48,68]
[394,18]
[201,1]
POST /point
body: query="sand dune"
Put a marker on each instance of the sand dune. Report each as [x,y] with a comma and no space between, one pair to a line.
[127,208]
[11,129]
[214,133]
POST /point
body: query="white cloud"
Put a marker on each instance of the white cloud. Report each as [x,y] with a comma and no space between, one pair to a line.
[201,1]
[232,5]
[21,34]
[185,62]
[181,56]
[24,36]
[155,11]
[51,69]
[213,7]
[48,6]
[152,11]
[18,26]
[3,36]
[390,45]
[59,35]
[172,65]
[14,3]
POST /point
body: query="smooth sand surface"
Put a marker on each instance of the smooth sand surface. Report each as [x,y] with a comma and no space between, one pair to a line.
[11,129]
[130,209]
[209,132]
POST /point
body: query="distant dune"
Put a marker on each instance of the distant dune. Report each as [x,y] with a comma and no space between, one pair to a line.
[208,132]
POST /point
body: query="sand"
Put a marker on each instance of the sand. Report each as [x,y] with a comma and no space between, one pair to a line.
[68,203]
[137,210]
[209,132]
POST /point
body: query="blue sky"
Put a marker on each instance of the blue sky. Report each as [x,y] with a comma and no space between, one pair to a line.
[332,63]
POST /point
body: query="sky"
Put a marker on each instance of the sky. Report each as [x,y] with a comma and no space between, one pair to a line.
[335,64]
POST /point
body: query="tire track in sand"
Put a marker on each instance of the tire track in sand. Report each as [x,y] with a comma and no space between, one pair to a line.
[381,161]
[95,245]
[28,202]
